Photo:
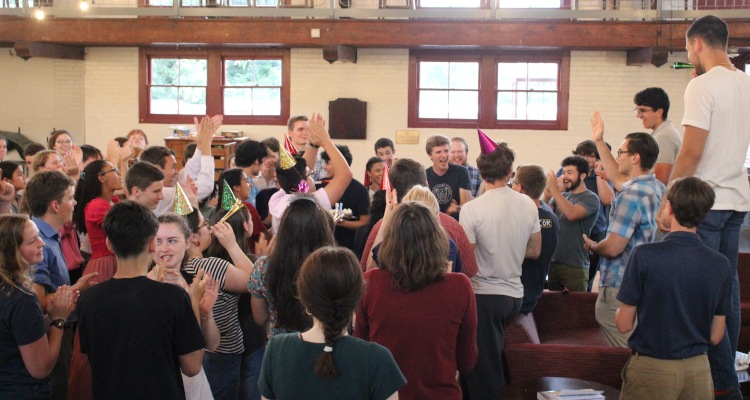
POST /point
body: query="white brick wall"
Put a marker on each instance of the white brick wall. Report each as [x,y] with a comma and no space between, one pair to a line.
[40,94]
[599,80]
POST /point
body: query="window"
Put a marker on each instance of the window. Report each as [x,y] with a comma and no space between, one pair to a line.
[246,86]
[452,3]
[528,4]
[511,90]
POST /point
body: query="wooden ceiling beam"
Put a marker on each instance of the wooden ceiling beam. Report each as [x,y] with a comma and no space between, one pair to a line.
[584,35]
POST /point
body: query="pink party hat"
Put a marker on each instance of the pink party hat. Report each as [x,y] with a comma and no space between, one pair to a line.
[486,144]
[386,184]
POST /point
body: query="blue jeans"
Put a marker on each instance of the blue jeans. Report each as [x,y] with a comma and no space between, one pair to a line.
[720,231]
[250,372]
[223,373]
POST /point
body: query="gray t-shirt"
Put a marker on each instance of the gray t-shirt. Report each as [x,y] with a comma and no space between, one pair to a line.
[570,244]
[669,141]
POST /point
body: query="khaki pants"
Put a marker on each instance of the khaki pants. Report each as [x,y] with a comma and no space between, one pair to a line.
[646,378]
[576,279]
[606,307]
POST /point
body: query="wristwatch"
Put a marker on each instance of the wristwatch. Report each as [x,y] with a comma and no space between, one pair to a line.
[58,323]
[315,146]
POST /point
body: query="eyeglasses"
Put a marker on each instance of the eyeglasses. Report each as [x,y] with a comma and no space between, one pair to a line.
[641,111]
[63,141]
[206,223]
[620,152]
[111,170]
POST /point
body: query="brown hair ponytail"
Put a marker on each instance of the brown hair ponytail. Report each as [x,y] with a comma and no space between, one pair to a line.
[330,286]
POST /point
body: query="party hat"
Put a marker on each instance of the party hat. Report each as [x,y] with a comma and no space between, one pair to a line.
[368,182]
[486,144]
[227,198]
[386,185]
[286,160]
[289,146]
[181,204]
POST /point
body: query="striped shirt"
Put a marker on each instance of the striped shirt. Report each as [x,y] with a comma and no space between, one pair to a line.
[225,310]
[633,216]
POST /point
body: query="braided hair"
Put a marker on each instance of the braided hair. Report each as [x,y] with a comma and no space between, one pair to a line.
[330,286]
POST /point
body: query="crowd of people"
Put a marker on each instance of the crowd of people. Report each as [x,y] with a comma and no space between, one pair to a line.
[124,275]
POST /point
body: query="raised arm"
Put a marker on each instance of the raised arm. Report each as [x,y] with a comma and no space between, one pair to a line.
[342,174]
[570,211]
[611,167]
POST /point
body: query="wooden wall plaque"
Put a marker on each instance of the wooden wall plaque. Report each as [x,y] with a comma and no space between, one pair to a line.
[347,119]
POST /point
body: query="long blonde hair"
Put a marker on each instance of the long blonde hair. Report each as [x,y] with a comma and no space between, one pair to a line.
[14,269]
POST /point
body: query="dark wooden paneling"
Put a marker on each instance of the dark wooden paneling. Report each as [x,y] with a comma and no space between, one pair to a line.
[357,33]
[347,119]
[648,55]
[27,50]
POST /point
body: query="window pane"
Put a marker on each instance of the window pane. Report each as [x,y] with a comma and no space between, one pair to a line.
[193,72]
[192,101]
[464,75]
[463,105]
[542,106]
[529,3]
[238,102]
[450,3]
[511,105]
[267,101]
[163,100]
[235,3]
[238,73]
[511,76]
[164,71]
[268,72]
[433,104]
[543,76]
[433,75]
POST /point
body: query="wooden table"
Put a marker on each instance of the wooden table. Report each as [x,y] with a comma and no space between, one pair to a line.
[529,390]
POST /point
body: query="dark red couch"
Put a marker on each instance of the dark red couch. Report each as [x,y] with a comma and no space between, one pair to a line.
[562,338]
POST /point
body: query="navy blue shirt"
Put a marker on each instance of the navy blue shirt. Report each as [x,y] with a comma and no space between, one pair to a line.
[678,285]
[534,272]
[21,323]
[52,272]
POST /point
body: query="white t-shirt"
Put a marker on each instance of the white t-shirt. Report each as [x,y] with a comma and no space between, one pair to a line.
[719,102]
[499,223]
[201,170]
[669,141]
[278,203]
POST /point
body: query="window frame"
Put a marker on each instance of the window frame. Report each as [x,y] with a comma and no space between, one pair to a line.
[487,113]
[214,84]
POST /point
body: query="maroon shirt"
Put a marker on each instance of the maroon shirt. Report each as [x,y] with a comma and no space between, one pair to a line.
[431,333]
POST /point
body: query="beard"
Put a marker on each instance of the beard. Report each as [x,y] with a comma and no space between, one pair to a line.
[574,184]
[699,69]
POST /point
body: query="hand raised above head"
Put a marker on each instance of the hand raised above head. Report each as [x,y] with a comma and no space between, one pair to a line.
[597,127]
[318,131]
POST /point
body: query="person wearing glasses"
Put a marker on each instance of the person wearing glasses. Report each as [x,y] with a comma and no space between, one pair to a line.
[95,196]
[652,108]
[632,220]
[71,154]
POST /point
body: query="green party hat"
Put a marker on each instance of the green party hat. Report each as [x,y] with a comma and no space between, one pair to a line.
[181,204]
[227,199]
